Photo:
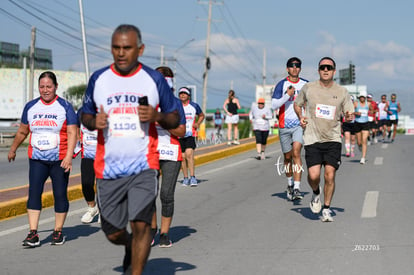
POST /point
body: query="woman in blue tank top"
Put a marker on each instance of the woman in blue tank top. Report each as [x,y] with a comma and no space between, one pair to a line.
[361,123]
[392,115]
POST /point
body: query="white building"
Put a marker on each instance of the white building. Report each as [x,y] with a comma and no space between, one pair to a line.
[14,88]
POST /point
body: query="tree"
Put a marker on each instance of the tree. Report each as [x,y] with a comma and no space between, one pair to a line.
[75,94]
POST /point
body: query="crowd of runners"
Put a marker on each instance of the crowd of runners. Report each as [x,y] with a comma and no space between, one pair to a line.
[131,127]
[375,121]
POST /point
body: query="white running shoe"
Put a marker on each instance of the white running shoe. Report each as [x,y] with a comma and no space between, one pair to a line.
[315,204]
[289,192]
[262,156]
[326,215]
[362,161]
[90,214]
[236,142]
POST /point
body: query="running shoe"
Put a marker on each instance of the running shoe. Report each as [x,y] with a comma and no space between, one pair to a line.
[236,142]
[153,234]
[58,238]
[362,161]
[165,241]
[348,154]
[289,192]
[193,181]
[326,215]
[186,182]
[375,140]
[228,142]
[90,214]
[315,204]
[352,154]
[297,195]
[32,239]
[258,157]
[262,156]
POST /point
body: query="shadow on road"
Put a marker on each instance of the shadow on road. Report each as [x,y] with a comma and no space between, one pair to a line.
[72,233]
[166,266]
[307,213]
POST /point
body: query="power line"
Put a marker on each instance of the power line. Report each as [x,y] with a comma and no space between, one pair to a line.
[44,34]
[55,27]
[251,50]
[253,59]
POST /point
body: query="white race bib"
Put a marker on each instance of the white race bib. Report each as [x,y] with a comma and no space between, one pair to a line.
[261,122]
[370,119]
[125,125]
[325,111]
[90,137]
[393,117]
[168,151]
[364,112]
[44,141]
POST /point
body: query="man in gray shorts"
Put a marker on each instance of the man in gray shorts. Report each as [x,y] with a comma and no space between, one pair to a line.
[290,131]
[121,102]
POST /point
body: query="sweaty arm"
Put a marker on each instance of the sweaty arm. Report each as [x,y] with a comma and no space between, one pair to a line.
[72,135]
[21,135]
[280,97]
[200,118]
[168,120]
[95,122]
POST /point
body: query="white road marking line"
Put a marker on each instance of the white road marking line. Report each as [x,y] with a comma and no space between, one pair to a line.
[43,221]
[234,164]
[369,209]
[378,161]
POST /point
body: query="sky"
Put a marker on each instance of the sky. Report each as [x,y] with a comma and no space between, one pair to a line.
[375,36]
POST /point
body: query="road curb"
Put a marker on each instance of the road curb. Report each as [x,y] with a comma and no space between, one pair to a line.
[17,207]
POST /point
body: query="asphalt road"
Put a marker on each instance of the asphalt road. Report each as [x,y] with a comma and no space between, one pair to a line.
[16,173]
[238,221]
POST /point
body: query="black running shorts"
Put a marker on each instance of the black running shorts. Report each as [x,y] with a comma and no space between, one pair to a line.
[326,153]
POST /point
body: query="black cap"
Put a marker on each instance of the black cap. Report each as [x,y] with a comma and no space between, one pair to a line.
[294,59]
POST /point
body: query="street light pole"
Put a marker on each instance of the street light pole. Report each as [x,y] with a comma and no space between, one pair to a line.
[85,50]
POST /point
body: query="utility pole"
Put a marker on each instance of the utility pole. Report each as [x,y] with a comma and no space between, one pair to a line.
[264,73]
[25,81]
[32,62]
[207,60]
[207,64]
[162,62]
[85,50]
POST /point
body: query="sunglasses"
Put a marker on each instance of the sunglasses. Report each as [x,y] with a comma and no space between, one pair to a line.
[329,67]
[291,65]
